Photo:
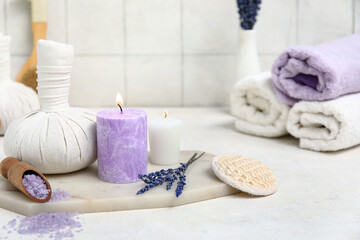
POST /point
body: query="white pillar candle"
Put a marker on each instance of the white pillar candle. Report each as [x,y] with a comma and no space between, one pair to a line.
[165,138]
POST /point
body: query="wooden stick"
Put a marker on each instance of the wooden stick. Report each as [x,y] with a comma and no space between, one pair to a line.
[27,73]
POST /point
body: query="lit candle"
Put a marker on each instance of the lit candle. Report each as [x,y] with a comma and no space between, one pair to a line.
[122,143]
[165,138]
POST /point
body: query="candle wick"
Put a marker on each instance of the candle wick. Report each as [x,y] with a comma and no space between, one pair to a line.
[121,110]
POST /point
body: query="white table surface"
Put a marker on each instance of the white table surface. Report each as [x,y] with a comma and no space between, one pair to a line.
[318,198]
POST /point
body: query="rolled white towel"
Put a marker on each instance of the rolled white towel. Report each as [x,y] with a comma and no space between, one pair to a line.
[254,103]
[326,126]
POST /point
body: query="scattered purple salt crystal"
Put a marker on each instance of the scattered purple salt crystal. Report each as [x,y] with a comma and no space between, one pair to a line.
[12,223]
[35,186]
[59,195]
[59,225]
[56,226]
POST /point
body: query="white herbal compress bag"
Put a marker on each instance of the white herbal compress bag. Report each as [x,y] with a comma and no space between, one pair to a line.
[16,99]
[57,138]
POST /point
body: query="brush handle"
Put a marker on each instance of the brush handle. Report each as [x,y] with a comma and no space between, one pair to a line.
[38,11]
[27,74]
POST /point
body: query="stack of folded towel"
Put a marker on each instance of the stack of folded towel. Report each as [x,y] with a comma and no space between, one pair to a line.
[254,103]
[321,82]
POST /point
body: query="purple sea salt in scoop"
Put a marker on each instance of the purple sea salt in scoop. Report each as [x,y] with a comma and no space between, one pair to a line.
[35,186]
[26,178]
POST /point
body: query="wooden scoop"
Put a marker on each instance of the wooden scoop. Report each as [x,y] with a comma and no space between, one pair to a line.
[13,169]
[27,74]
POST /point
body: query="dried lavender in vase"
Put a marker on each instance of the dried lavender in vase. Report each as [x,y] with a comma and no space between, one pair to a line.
[248,62]
[168,176]
[248,10]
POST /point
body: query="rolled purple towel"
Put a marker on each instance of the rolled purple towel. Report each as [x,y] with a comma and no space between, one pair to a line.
[318,73]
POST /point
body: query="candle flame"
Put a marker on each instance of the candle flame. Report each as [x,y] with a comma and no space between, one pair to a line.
[119,100]
[165,114]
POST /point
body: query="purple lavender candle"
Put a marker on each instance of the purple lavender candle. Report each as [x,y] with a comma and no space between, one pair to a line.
[122,144]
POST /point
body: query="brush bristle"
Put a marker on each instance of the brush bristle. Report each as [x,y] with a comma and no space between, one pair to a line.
[29,78]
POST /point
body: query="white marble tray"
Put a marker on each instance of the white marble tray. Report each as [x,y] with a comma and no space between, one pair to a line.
[90,194]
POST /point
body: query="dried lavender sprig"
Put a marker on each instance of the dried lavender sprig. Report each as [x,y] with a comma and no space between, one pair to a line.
[169,176]
[193,159]
[149,178]
[181,184]
[159,177]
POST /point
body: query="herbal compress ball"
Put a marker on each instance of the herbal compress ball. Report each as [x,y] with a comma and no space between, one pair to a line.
[16,99]
[57,138]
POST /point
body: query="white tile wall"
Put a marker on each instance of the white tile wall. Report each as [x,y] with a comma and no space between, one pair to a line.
[266,61]
[18,26]
[321,20]
[210,26]
[96,27]
[169,52]
[153,26]
[357,16]
[96,80]
[276,26]
[208,80]
[153,80]
[2,16]
[56,20]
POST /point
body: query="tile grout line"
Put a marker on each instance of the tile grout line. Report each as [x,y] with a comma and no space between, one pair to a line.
[5,18]
[125,51]
[353,16]
[161,54]
[182,53]
[66,9]
[158,55]
[297,21]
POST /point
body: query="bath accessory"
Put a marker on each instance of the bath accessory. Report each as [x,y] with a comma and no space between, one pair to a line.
[122,143]
[165,138]
[15,171]
[326,126]
[27,74]
[246,174]
[258,112]
[16,99]
[56,138]
[318,73]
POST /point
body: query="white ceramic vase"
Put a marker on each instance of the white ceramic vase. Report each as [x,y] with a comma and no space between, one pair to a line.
[248,60]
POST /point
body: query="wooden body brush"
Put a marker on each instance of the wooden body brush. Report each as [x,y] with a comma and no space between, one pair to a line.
[27,74]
